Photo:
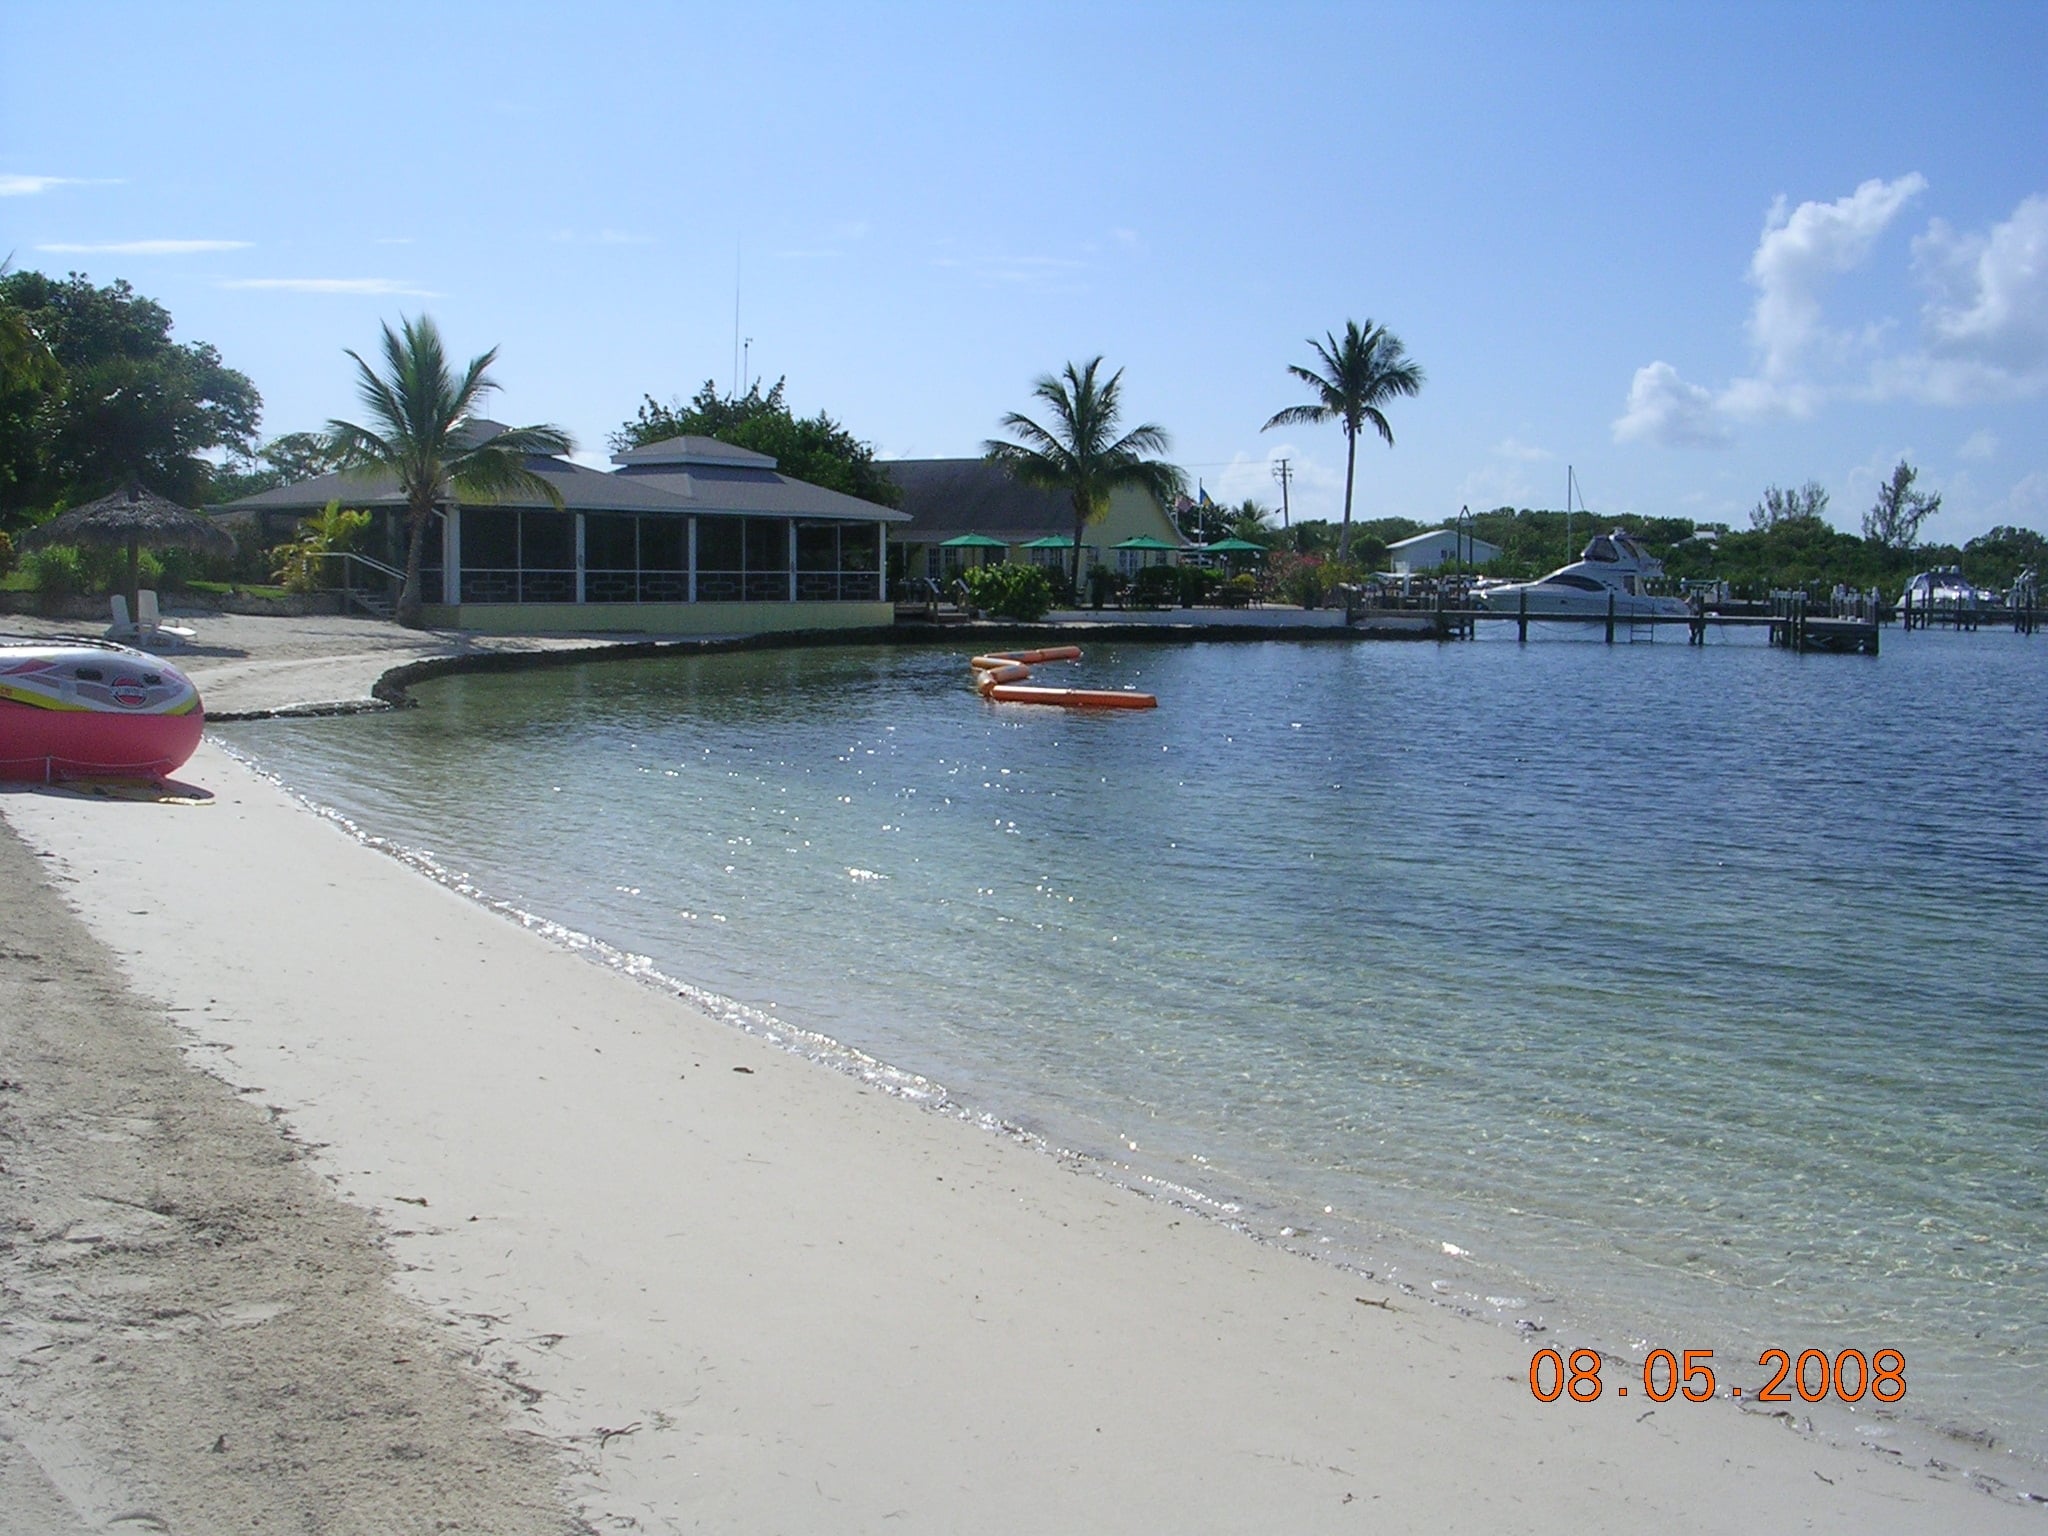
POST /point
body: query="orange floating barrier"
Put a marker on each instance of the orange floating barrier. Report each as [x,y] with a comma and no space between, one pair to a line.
[1000,676]
[997,659]
[1072,698]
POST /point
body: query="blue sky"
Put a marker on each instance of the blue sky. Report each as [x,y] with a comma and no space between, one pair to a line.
[1690,251]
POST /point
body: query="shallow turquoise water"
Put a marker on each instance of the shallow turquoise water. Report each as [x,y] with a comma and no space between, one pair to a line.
[1697,997]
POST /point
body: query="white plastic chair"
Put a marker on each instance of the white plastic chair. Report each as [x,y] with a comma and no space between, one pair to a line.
[151,622]
[123,627]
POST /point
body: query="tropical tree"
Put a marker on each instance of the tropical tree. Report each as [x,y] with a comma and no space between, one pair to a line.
[1894,520]
[282,461]
[1078,450]
[420,408]
[1779,505]
[1365,370]
[816,448]
[94,394]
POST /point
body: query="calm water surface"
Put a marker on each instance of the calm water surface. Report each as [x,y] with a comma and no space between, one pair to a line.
[1657,995]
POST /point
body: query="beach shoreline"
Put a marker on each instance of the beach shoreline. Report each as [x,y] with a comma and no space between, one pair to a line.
[753,1292]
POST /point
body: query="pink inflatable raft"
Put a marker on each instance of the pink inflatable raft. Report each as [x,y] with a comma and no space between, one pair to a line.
[88,711]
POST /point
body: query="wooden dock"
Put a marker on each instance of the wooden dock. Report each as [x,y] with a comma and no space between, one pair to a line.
[1788,622]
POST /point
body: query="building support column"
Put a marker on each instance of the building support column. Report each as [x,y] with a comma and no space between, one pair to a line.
[579,557]
[451,556]
[692,556]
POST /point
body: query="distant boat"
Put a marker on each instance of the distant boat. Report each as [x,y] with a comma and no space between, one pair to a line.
[93,711]
[1614,566]
[1947,587]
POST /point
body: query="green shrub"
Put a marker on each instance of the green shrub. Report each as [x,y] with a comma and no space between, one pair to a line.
[56,571]
[301,565]
[1102,584]
[1018,592]
[8,558]
[1198,584]
[1238,590]
[1155,586]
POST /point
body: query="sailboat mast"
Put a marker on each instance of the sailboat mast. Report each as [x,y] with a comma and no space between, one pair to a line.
[1570,484]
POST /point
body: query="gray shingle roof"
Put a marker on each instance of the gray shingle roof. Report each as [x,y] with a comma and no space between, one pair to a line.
[709,486]
[945,497]
[692,451]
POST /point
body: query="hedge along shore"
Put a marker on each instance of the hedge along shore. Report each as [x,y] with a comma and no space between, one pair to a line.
[742,1292]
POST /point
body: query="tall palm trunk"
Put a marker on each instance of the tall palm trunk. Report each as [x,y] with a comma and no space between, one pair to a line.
[1350,470]
[409,604]
[1080,522]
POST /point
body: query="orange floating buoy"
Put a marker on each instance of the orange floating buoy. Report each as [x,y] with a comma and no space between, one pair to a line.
[1072,698]
[1000,676]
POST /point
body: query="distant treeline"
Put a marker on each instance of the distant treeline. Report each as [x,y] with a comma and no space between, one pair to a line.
[1805,552]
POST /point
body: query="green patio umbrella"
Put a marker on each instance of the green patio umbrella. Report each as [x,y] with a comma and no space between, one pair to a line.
[1149,545]
[980,541]
[1050,541]
[1233,546]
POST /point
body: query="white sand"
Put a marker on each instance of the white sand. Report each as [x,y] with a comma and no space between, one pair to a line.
[754,1294]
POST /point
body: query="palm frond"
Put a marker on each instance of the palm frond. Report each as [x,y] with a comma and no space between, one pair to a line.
[1297,416]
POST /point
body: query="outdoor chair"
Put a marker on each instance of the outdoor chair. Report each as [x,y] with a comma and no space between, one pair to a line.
[123,627]
[151,623]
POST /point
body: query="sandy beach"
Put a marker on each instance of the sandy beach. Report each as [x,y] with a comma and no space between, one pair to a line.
[339,1202]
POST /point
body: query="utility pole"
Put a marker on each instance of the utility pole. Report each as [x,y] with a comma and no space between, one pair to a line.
[1283,471]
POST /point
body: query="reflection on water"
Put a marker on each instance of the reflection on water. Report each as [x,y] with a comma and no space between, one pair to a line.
[1696,993]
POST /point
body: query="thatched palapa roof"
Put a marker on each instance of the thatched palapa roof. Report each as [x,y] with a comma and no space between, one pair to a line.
[132,516]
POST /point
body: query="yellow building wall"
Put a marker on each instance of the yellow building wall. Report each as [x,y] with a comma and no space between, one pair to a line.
[655,618]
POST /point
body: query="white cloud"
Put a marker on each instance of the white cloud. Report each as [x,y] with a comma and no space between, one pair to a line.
[1802,361]
[1980,444]
[1987,317]
[1248,478]
[1504,479]
[2026,504]
[1665,410]
[28,186]
[357,285]
[147,248]
[1797,256]
[601,237]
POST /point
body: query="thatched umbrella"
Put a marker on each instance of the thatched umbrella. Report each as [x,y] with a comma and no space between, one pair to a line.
[133,517]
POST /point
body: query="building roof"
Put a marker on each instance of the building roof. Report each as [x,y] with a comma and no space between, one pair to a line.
[750,491]
[1415,540]
[954,496]
[693,450]
[712,480]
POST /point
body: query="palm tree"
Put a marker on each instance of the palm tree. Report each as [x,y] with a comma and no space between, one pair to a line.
[1080,453]
[420,408]
[1364,371]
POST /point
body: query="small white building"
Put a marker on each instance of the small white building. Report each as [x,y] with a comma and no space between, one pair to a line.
[1437,548]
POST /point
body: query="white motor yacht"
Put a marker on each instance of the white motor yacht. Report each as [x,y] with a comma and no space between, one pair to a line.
[1614,565]
[1947,587]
